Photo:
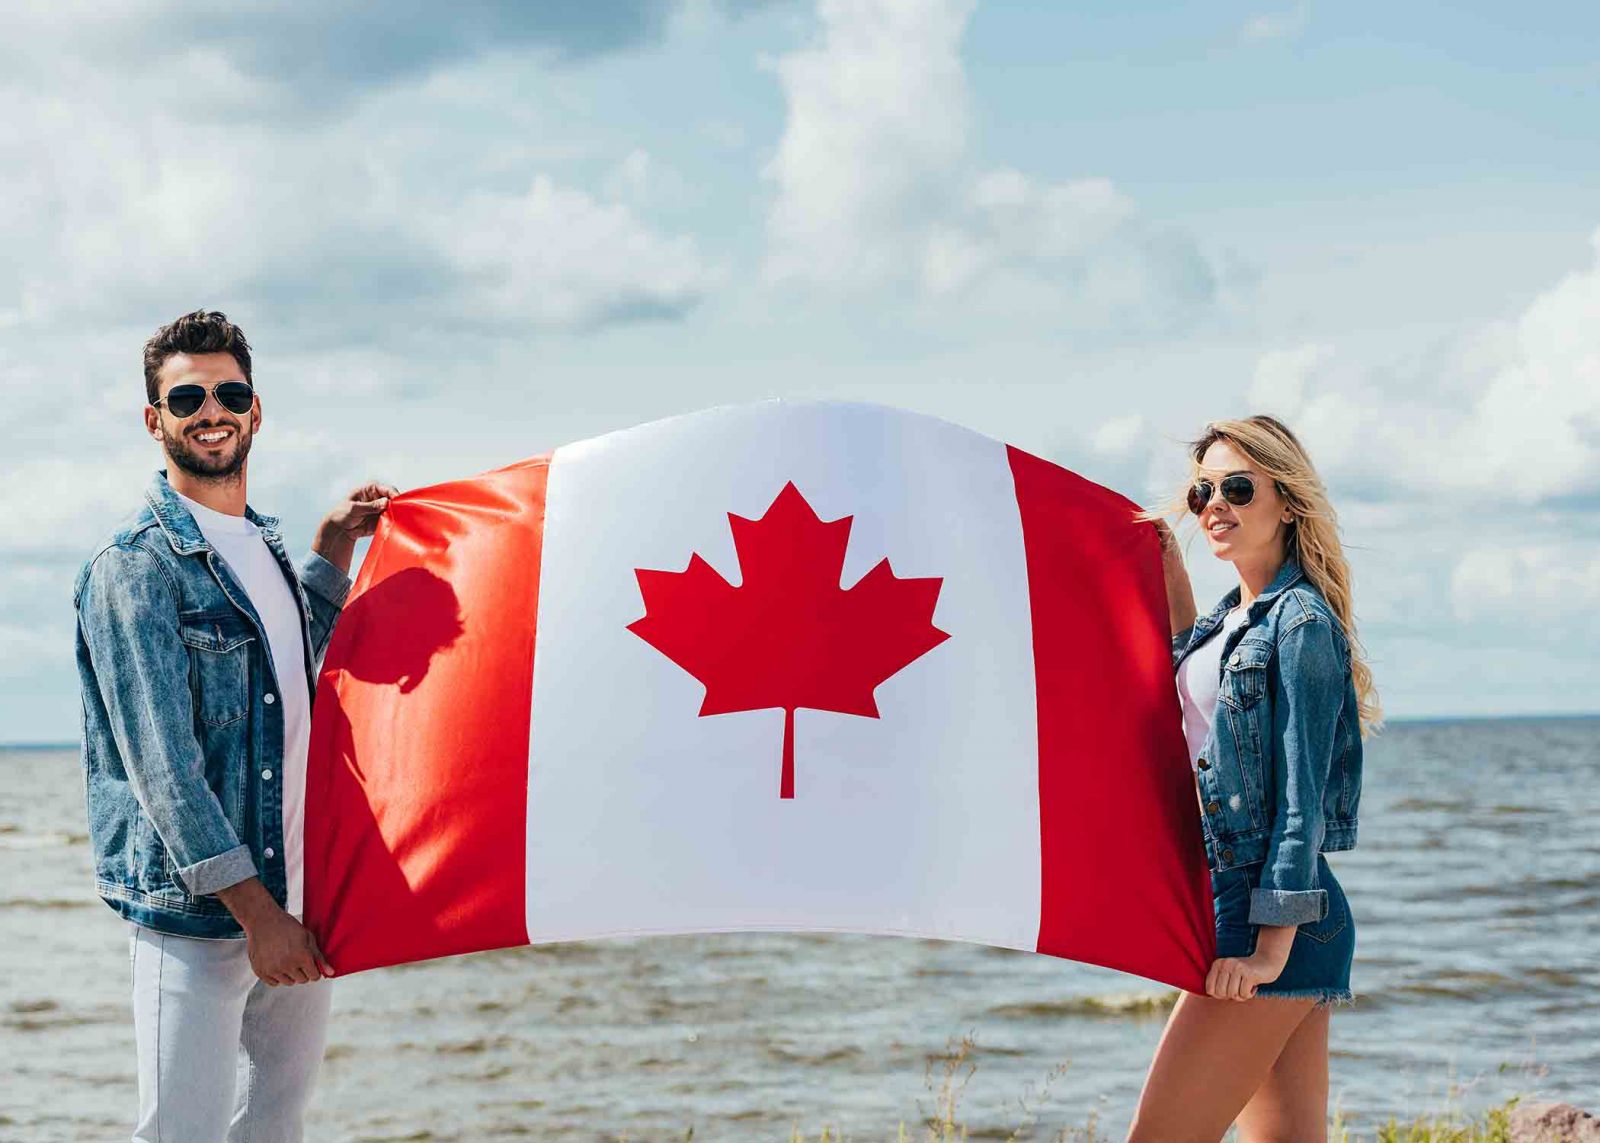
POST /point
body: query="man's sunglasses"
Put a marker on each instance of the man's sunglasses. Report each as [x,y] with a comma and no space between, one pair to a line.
[1237,489]
[187,400]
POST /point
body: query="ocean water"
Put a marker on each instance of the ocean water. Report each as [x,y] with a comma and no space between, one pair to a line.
[1476,890]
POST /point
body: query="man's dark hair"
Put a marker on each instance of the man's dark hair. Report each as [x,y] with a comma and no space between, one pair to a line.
[204,331]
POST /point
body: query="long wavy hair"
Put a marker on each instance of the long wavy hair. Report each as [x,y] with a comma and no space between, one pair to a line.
[1313,537]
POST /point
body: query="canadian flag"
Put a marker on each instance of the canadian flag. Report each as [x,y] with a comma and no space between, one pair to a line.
[792,665]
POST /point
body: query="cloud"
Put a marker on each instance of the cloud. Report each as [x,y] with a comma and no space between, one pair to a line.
[1529,586]
[120,214]
[1119,436]
[874,189]
[1534,429]
[1513,411]
[308,59]
[642,180]
[556,257]
[55,507]
[31,649]
[877,116]
[1282,375]
[1269,26]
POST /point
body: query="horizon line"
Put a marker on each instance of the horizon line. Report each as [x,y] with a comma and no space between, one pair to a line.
[1540,716]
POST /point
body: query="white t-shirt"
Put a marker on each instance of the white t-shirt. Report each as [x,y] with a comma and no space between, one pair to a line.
[1199,679]
[241,547]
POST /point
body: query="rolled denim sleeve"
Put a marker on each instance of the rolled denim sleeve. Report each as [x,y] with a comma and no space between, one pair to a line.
[1305,723]
[326,590]
[128,616]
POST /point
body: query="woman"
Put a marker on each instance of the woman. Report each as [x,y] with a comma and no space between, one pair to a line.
[1276,700]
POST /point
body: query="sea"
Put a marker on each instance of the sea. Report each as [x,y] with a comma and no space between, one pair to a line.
[1475,890]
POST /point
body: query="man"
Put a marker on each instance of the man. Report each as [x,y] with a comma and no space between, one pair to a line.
[198,643]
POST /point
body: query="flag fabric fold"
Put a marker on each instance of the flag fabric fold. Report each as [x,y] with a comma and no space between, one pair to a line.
[795,666]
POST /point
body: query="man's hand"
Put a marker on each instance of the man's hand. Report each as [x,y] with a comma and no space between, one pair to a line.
[1237,978]
[352,519]
[281,949]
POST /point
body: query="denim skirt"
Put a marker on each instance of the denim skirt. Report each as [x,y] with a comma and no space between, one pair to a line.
[1319,960]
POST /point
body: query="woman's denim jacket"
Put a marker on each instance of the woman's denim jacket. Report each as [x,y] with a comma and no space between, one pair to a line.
[1280,773]
[181,723]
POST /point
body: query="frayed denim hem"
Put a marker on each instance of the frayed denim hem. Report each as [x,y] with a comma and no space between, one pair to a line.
[1325,997]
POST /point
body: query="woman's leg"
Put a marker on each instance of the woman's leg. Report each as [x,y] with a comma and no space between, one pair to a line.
[1292,1104]
[1212,1057]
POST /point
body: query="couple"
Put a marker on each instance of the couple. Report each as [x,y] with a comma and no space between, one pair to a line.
[198,643]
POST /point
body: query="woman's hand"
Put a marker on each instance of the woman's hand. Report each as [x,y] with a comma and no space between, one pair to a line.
[1238,977]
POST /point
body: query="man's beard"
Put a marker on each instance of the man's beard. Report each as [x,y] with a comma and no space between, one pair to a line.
[222,469]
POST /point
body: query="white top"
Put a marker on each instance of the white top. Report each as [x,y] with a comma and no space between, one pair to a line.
[241,547]
[1199,679]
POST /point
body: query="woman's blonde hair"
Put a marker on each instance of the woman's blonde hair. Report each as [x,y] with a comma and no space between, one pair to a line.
[1313,537]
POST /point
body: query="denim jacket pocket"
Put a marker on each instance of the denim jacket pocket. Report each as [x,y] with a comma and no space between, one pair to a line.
[1244,675]
[219,657]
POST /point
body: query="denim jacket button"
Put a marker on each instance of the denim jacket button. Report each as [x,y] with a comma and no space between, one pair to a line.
[269,851]
[266,775]
[1213,807]
[1227,854]
[1202,764]
[268,698]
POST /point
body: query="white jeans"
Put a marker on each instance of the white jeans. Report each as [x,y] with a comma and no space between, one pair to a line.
[196,1006]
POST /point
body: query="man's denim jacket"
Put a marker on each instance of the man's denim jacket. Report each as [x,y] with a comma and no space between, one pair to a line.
[181,723]
[1280,773]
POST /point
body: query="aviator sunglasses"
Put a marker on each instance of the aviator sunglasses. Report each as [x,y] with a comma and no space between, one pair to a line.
[1238,489]
[235,396]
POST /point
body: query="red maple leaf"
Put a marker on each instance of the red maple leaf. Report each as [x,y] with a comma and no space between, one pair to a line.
[788,636]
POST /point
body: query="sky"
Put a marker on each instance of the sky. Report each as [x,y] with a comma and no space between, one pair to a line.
[457,236]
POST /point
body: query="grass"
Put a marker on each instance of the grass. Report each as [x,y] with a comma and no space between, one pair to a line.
[948,1075]
[1493,1126]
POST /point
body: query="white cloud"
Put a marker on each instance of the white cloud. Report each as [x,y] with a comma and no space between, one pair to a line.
[1267,26]
[630,179]
[33,649]
[1535,428]
[1529,585]
[1515,415]
[1120,435]
[875,189]
[300,60]
[557,257]
[65,505]
[1283,375]
[877,118]
[120,211]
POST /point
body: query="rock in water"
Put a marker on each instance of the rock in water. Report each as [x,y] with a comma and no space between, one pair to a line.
[1553,1123]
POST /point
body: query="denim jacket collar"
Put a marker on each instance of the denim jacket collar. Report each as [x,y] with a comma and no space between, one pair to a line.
[1288,575]
[178,523]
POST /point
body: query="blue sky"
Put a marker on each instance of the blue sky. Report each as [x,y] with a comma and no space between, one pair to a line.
[461,237]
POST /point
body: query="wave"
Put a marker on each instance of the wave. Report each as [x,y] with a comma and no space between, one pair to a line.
[1118,1005]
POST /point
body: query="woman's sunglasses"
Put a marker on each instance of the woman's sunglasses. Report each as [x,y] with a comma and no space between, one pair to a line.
[1237,489]
[186,400]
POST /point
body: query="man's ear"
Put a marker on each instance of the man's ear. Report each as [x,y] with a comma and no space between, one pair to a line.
[152,422]
[255,416]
